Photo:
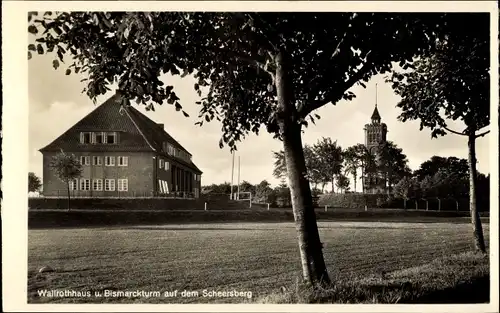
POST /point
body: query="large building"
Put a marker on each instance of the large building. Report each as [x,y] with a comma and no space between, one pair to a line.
[375,136]
[124,154]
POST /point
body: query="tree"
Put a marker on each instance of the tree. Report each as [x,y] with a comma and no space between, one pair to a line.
[224,188]
[262,192]
[273,69]
[436,163]
[313,165]
[452,83]
[247,187]
[406,189]
[283,196]
[393,163]
[67,169]
[366,162]
[34,183]
[352,162]
[330,156]
[279,165]
[342,183]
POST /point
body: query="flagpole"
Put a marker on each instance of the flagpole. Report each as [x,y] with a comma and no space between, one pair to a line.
[239,166]
[232,176]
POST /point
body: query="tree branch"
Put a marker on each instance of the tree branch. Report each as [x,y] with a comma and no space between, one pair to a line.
[453,131]
[245,58]
[483,134]
[271,29]
[329,97]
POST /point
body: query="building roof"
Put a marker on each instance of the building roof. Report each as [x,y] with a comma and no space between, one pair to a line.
[137,132]
[375,114]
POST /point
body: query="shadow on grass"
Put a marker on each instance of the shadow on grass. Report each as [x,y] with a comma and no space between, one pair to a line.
[75,219]
[475,291]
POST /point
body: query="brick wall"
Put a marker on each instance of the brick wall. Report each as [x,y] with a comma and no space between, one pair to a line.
[139,173]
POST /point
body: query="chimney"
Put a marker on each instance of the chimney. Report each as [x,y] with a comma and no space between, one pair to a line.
[161,125]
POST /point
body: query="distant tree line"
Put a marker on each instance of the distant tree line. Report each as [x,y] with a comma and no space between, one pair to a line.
[328,163]
[262,192]
[441,178]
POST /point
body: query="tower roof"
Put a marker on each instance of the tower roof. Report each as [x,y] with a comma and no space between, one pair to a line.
[375,114]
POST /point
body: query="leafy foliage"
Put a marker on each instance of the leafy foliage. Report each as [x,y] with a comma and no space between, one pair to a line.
[451,82]
[232,56]
[279,165]
[263,192]
[330,155]
[313,165]
[406,188]
[342,182]
[436,163]
[66,166]
[247,187]
[224,188]
[393,162]
[323,162]
[352,162]
[34,182]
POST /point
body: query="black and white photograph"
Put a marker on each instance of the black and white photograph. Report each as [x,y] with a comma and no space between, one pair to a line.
[264,154]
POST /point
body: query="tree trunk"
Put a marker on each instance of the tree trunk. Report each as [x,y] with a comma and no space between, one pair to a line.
[404,203]
[363,178]
[69,195]
[310,247]
[354,182]
[476,221]
[333,184]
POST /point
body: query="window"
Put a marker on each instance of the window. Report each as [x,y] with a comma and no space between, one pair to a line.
[85,137]
[123,184]
[111,138]
[84,184]
[96,160]
[97,184]
[109,185]
[109,161]
[73,184]
[98,138]
[161,164]
[122,161]
[167,165]
[85,160]
[170,149]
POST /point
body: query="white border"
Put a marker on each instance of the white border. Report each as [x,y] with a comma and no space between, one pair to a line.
[15,151]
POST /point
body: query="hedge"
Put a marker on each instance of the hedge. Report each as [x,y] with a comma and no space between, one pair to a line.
[132,204]
[358,201]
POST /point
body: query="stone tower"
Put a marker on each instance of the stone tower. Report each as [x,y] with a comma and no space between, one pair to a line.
[375,136]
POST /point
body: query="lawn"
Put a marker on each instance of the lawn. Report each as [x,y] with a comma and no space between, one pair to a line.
[256,257]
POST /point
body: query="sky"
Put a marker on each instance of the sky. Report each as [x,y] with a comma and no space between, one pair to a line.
[56,102]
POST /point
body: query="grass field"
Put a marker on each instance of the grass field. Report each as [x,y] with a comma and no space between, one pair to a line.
[256,257]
